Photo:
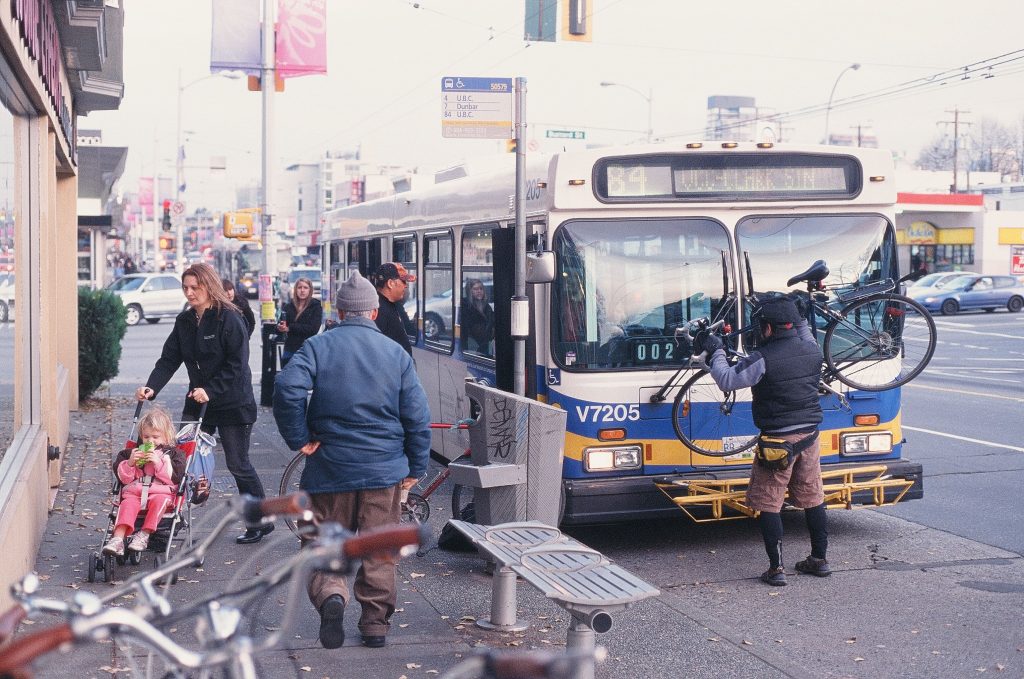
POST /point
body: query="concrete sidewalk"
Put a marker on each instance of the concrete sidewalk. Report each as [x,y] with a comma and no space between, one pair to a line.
[905,600]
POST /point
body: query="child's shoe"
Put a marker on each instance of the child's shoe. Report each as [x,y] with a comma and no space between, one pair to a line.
[115,547]
[139,542]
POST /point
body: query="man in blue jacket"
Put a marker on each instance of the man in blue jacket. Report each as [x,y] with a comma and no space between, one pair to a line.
[366,430]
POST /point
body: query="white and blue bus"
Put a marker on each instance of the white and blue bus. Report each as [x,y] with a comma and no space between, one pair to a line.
[644,239]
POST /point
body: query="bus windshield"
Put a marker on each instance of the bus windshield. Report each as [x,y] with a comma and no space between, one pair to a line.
[858,249]
[623,286]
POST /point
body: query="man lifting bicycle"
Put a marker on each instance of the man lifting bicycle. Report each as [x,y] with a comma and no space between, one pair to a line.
[783,374]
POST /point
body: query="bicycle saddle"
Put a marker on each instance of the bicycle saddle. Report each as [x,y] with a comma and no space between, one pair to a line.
[817,273]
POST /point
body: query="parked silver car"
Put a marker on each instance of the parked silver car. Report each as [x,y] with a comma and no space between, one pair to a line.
[149,296]
[6,296]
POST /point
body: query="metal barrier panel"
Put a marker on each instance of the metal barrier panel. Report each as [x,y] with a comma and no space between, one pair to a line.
[516,447]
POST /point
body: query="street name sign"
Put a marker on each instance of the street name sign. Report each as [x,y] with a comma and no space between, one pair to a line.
[477,108]
[565,134]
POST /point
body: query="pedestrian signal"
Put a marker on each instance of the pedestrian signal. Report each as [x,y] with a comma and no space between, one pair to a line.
[166,243]
[510,145]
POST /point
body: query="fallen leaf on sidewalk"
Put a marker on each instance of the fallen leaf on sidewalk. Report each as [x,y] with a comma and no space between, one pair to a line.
[417,575]
[306,668]
[412,666]
[403,625]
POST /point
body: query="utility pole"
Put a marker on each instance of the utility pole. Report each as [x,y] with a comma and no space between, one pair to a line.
[955,122]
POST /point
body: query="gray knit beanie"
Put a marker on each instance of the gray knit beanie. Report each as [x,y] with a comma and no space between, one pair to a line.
[356,294]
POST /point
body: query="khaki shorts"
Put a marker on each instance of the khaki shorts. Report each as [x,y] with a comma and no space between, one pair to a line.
[767,488]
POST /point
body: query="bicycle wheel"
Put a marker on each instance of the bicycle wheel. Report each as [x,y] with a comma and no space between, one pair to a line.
[881,342]
[415,509]
[710,421]
[461,499]
[290,484]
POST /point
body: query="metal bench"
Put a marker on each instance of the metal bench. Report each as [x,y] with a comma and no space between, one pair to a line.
[579,579]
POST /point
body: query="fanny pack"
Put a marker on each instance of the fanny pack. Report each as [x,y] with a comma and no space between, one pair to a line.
[777,454]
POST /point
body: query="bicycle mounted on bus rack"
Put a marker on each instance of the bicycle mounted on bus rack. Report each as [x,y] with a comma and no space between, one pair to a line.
[224,649]
[866,329]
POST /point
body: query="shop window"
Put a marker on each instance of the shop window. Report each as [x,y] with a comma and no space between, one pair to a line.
[9,310]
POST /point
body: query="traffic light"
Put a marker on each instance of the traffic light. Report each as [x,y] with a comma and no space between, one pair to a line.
[166,221]
[510,145]
[166,243]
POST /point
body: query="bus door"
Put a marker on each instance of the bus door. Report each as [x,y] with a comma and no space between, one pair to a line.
[365,255]
[503,242]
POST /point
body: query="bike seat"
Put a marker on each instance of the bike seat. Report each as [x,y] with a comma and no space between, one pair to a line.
[817,273]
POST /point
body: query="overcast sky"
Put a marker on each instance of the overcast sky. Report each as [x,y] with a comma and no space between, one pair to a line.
[386,59]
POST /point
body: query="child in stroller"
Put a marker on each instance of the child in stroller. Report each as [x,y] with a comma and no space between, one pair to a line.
[151,473]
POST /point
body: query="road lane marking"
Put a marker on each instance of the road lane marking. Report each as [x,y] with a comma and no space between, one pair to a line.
[974,376]
[965,393]
[965,438]
[951,328]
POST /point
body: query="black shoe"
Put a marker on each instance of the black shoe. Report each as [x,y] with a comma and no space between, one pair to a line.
[813,566]
[252,535]
[776,577]
[332,626]
[371,641]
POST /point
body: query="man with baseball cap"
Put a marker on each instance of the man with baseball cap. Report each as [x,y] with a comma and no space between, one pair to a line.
[782,373]
[366,433]
[392,280]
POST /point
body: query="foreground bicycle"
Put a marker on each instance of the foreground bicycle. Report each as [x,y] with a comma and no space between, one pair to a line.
[223,648]
[874,339]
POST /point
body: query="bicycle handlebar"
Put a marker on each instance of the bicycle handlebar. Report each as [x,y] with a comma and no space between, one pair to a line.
[385,539]
[254,510]
[10,620]
[18,654]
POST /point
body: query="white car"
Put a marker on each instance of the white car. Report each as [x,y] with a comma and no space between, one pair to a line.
[149,296]
[6,296]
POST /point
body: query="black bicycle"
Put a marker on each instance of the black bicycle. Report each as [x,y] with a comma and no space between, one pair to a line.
[874,339]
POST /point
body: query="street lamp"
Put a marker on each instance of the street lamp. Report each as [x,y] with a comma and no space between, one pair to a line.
[178,163]
[828,109]
[649,98]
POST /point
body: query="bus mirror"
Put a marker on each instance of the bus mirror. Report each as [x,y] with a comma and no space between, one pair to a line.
[540,267]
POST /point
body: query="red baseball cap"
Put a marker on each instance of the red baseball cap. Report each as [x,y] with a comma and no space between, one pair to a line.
[389,270]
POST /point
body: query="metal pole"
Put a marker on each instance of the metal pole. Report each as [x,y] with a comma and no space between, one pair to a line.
[520,303]
[828,109]
[179,219]
[267,86]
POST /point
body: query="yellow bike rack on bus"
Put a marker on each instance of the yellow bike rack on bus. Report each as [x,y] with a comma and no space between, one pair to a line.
[840,485]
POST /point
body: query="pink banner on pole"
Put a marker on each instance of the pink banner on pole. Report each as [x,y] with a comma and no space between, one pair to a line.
[146,197]
[301,38]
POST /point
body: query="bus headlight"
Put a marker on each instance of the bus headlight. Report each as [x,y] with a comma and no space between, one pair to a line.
[607,459]
[877,443]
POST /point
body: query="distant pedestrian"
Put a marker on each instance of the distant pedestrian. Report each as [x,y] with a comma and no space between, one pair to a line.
[210,339]
[392,282]
[367,437]
[476,319]
[301,318]
[241,303]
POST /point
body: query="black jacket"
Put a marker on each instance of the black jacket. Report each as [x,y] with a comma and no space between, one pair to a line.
[787,395]
[243,305]
[215,351]
[477,326]
[302,326]
[393,321]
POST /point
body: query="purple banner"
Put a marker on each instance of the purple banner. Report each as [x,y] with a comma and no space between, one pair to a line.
[235,40]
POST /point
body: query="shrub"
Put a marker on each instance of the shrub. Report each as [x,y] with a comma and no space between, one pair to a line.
[101,327]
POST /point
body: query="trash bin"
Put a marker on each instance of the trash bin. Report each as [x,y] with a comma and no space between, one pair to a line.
[515,462]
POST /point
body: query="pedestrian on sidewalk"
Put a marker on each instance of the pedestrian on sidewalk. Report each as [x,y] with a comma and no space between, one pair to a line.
[150,473]
[241,303]
[366,432]
[783,373]
[301,318]
[211,340]
[392,281]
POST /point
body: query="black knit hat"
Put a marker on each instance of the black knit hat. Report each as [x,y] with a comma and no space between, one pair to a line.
[779,312]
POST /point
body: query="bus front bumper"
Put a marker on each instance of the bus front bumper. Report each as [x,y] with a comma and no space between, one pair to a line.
[633,498]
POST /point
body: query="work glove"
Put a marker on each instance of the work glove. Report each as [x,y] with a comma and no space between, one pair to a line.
[712,343]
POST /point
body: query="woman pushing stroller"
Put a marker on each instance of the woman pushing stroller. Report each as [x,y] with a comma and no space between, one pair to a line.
[151,473]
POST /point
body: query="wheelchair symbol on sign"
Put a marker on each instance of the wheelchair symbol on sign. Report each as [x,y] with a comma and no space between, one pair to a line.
[554,376]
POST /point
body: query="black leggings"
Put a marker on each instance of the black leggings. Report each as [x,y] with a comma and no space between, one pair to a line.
[234,438]
[771,531]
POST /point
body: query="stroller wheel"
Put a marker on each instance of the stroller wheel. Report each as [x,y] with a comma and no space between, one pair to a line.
[108,567]
[121,560]
[134,558]
[93,563]
[158,561]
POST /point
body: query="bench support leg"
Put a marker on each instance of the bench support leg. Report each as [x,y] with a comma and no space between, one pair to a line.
[583,639]
[503,603]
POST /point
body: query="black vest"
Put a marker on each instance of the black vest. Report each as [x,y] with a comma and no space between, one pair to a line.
[787,395]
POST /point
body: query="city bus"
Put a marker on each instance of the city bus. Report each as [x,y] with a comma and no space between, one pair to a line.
[644,239]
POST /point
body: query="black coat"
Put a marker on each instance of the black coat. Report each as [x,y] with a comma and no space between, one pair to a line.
[301,326]
[243,305]
[393,321]
[215,351]
[478,326]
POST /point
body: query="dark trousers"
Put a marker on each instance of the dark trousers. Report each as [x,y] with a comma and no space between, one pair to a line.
[234,438]
[375,588]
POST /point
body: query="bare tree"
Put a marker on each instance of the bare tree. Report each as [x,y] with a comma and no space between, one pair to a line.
[992,147]
[937,154]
